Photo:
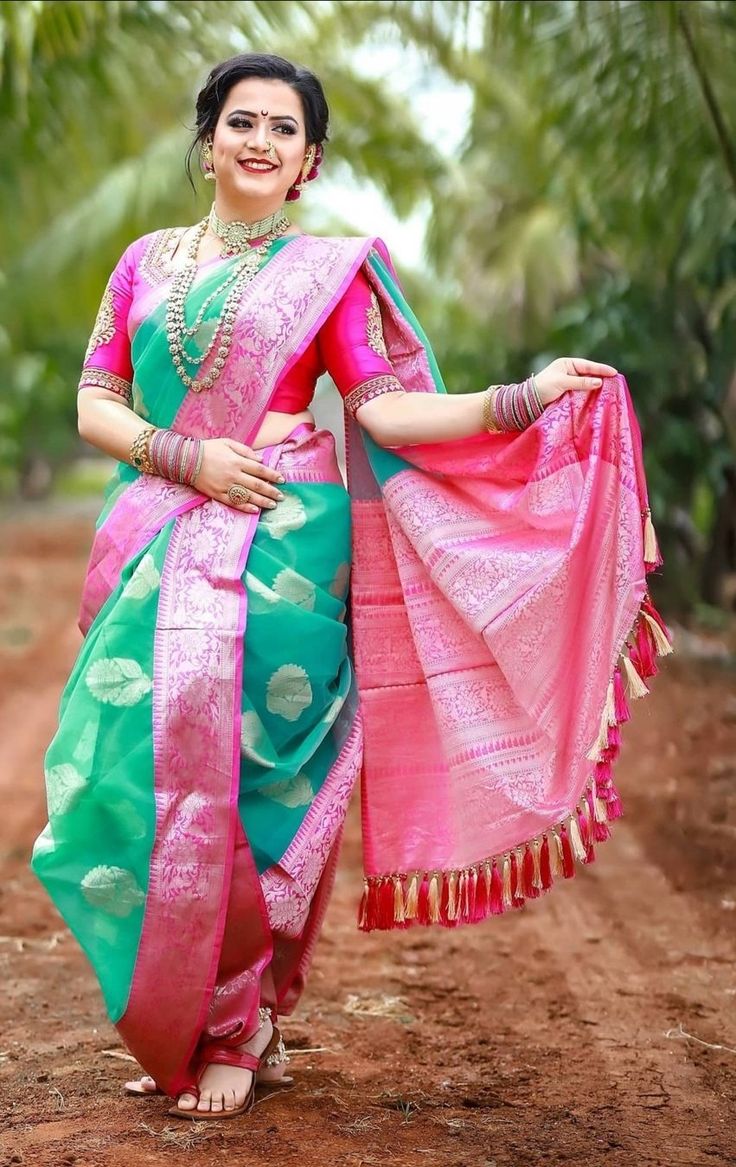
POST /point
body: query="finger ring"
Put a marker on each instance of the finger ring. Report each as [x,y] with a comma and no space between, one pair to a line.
[238,494]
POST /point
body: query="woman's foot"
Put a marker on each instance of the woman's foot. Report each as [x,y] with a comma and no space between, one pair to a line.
[266,1076]
[144,1085]
[227,1087]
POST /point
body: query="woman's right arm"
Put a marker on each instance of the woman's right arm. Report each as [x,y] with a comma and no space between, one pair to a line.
[107,420]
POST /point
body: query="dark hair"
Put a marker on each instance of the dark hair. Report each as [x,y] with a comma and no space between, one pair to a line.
[211,96]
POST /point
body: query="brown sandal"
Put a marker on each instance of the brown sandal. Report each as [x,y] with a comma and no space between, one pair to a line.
[221,1054]
[263,1085]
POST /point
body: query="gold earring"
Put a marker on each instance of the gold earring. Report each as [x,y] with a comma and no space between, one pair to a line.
[308,164]
[208,165]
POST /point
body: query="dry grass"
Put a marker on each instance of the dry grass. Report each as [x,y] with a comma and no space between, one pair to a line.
[184,1137]
[381,1006]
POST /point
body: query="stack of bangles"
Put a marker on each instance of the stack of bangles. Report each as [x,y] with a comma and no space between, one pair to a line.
[511,407]
[168,454]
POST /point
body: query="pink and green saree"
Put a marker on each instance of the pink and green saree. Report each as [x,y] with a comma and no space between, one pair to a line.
[239,672]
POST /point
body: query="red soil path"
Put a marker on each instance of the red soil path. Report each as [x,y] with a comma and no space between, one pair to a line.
[549,1036]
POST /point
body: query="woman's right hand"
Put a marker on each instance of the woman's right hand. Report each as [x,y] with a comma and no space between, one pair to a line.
[227,463]
[568,374]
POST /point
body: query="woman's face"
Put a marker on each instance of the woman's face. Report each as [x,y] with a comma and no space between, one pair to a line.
[255,112]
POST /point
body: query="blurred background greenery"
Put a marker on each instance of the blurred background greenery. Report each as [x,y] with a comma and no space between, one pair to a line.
[588,206]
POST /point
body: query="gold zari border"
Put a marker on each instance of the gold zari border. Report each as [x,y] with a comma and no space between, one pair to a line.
[104,379]
[367,390]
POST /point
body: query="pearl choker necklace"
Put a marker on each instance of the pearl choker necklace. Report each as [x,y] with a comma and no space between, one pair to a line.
[237,236]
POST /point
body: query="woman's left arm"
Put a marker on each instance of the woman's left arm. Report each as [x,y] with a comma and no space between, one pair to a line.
[405,419]
[354,351]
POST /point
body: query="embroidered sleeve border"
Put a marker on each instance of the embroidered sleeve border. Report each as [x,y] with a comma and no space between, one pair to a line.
[104,379]
[368,390]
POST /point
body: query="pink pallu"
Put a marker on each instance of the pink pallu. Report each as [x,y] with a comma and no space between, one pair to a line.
[500,610]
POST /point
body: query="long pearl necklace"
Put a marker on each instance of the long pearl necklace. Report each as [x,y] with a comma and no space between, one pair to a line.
[177,329]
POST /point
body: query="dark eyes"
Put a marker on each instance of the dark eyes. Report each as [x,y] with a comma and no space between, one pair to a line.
[246,123]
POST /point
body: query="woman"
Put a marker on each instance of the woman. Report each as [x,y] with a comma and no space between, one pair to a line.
[211,732]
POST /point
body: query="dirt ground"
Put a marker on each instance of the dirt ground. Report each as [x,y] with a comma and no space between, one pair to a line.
[596,1027]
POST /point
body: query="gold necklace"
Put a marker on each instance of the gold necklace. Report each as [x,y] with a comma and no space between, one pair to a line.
[237,235]
[237,280]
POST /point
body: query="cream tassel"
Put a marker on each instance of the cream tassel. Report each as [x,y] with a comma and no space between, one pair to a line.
[452,896]
[399,915]
[664,648]
[487,877]
[608,717]
[433,899]
[364,904]
[463,893]
[506,893]
[651,550]
[537,876]
[601,815]
[555,853]
[576,839]
[635,687]
[411,907]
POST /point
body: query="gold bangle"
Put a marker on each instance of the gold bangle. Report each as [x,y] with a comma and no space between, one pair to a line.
[139,456]
[490,422]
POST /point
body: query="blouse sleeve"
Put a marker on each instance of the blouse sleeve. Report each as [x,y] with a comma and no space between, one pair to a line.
[354,349]
[107,362]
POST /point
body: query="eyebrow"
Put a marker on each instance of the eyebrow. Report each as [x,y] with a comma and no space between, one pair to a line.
[286,117]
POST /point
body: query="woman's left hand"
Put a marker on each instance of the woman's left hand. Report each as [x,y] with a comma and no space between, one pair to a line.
[571,373]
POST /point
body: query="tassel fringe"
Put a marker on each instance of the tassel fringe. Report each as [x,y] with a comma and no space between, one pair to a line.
[652,557]
[635,687]
[500,883]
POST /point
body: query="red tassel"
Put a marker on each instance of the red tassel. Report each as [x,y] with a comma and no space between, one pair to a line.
[517,894]
[369,908]
[643,652]
[621,704]
[544,865]
[385,904]
[422,902]
[568,861]
[496,892]
[483,891]
[530,891]
[600,831]
[444,901]
[614,738]
[603,776]
[648,607]
[614,806]
[475,878]
[584,826]
[586,834]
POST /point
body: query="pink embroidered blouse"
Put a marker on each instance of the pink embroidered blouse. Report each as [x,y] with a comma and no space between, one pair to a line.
[350,345]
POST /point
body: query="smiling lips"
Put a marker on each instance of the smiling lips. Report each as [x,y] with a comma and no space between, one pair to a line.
[256,167]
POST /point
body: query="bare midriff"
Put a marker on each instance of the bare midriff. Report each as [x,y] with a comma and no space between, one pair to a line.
[276,427]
